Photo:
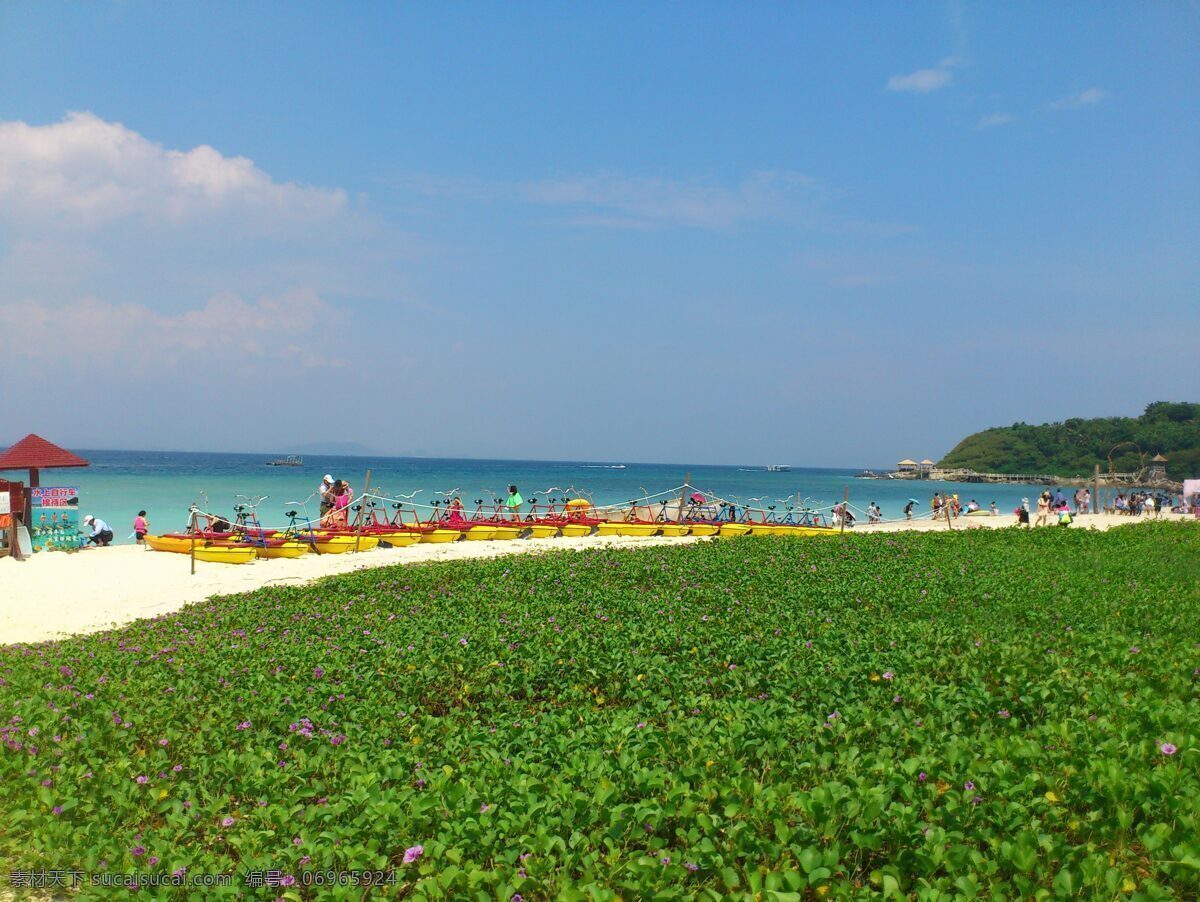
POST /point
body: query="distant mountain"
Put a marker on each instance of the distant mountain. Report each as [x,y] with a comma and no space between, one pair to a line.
[1073,447]
[338,449]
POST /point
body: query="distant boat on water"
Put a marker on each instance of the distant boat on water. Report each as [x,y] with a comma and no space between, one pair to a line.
[292,460]
[779,468]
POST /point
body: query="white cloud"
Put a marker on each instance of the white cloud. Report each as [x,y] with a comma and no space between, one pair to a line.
[1090,97]
[226,330]
[923,81]
[995,120]
[85,172]
[614,200]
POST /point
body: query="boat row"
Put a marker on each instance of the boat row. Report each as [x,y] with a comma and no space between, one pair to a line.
[216,539]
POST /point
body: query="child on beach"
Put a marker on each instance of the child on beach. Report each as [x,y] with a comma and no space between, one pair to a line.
[141,526]
[1043,510]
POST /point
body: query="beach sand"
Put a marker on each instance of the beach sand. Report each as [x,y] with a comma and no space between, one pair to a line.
[53,594]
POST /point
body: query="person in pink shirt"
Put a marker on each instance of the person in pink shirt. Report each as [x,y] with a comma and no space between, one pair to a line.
[341,504]
[141,526]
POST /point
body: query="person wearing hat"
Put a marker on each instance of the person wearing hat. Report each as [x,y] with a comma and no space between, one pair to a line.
[325,492]
[101,534]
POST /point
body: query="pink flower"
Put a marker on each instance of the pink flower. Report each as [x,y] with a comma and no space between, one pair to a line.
[227,822]
[412,853]
[888,675]
[1167,748]
[142,779]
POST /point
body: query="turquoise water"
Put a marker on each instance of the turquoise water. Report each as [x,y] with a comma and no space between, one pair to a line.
[119,483]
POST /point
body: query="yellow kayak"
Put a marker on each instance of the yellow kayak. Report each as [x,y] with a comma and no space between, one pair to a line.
[399,539]
[342,544]
[704,529]
[734,529]
[440,536]
[166,543]
[227,554]
[641,530]
[542,531]
[480,533]
[675,529]
[575,530]
[286,550]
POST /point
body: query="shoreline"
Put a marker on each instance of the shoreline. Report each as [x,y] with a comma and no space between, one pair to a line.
[56,595]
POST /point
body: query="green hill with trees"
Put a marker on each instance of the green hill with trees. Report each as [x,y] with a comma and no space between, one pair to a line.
[1073,447]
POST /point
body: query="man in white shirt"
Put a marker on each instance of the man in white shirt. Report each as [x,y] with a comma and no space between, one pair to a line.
[101,534]
[325,495]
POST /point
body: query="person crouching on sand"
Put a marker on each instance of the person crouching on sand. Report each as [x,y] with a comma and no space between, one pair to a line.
[101,534]
[141,526]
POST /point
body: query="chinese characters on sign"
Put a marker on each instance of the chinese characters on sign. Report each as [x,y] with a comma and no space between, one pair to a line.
[55,518]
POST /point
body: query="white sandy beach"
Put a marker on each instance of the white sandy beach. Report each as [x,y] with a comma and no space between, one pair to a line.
[53,595]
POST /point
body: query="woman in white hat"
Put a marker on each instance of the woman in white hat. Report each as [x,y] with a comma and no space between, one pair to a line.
[325,492]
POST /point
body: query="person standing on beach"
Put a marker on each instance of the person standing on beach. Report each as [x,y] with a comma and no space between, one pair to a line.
[1043,510]
[341,503]
[514,502]
[908,509]
[326,497]
[141,526]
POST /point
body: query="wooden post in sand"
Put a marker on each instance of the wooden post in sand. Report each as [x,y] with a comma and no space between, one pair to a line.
[687,477]
[361,509]
[845,507]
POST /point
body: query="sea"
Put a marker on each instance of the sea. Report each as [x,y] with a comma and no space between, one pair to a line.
[166,483]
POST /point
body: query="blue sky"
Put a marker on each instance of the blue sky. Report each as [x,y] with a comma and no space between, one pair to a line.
[703,232]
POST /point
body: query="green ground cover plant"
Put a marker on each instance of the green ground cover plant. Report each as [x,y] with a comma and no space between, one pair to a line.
[990,713]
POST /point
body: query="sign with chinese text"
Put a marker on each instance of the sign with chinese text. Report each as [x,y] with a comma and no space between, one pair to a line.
[55,518]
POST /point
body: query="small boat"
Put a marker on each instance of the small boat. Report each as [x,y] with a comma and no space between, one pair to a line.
[735,529]
[704,529]
[607,528]
[398,539]
[227,554]
[282,550]
[480,533]
[779,468]
[766,529]
[543,530]
[507,533]
[172,543]
[575,530]
[342,544]
[292,460]
[441,536]
[675,529]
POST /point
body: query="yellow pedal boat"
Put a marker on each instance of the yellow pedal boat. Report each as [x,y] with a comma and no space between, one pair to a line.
[704,529]
[480,533]
[608,528]
[398,539]
[734,529]
[441,536]
[575,530]
[227,554]
[506,533]
[675,529]
[286,550]
[542,531]
[640,530]
[342,544]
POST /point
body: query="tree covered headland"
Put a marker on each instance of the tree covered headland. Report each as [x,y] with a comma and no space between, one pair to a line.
[1075,446]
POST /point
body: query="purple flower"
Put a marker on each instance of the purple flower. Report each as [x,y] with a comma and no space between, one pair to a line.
[296,841]
[969,786]
[641,725]
[318,673]
[58,809]
[152,860]
[517,897]
[287,880]
[463,641]
[245,725]
[896,699]
[666,859]
[178,872]
[177,768]
[1004,713]
[164,742]
[888,675]
[227,822]
[1133,650]
[137,851]
[1167,748]
[691,867]
[483,808]
[922,777]
[142,779]
[412,853]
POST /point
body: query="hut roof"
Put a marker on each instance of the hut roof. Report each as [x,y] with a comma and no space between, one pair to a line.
[35,453]
[907,463]
[927,462]
[1158,459]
